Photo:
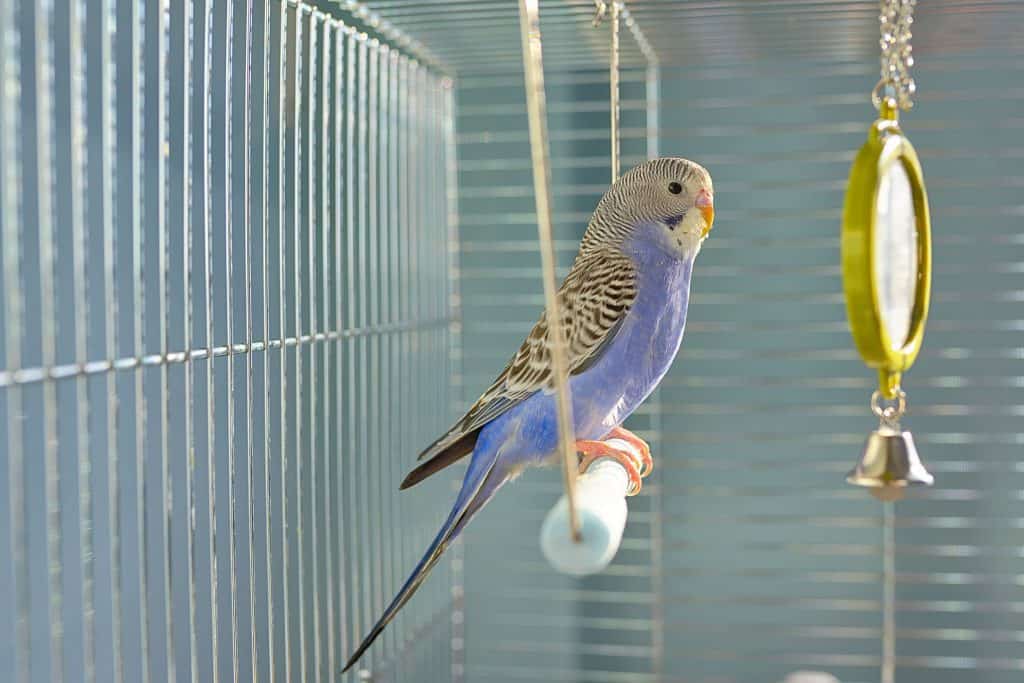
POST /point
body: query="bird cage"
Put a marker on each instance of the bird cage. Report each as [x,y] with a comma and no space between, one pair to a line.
[256,255]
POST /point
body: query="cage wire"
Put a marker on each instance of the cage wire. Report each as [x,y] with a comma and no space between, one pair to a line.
[248,269]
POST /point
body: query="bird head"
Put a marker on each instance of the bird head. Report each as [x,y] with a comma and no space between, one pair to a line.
[667,202]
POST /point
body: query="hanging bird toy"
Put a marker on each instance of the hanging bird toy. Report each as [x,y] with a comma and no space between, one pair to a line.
[886,259]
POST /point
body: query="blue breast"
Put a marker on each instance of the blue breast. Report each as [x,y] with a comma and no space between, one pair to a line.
[642,351]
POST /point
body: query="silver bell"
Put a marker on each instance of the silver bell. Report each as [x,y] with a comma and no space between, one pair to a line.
[889,464]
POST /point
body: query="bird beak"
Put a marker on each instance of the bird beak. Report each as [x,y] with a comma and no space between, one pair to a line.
[706,204]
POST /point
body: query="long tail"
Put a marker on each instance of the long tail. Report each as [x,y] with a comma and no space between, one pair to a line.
[481,482]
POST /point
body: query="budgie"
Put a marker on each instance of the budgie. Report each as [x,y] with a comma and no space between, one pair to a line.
[623,306]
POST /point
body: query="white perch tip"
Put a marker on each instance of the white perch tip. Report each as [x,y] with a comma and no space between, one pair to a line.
[601,506]
[810,677]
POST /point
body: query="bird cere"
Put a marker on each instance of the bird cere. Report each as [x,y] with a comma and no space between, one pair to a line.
[624,306]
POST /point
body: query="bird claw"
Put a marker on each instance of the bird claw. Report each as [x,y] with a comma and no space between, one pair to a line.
[637,443]
[627,455]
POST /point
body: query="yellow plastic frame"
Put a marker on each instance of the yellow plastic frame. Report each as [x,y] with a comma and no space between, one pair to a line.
[886,145]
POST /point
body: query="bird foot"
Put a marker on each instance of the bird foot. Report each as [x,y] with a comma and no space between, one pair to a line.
[620,450]
[637,443]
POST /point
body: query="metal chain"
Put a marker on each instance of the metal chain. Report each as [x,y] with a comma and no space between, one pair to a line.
[895,19]
[601,10]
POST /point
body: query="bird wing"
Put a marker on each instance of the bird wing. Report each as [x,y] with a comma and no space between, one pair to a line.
[594,300]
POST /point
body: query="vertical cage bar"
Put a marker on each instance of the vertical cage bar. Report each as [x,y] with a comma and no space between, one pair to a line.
[422,296]
[405,296]
[439,285]
[443,326]
[265,293]
[389,447]
[429,331]
[229,276]
[352,559]
[79,239]
[416,225]
[282,304]
[338,572]
[361,343]
[187,247]
[48,313]
[11,250]
[164,265]
[371,343]
[432,330]
[311,227]
[329,231]
[247,221]
[108,23]
[137,32]
[375,494]
[454,310]
[165,420]
[429,601]
[211,432]
[420,242]
[410,190]
[297,284]
[398,415]
[382,366]
[652,92]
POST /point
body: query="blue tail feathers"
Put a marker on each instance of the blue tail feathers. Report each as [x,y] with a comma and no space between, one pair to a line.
[481,482]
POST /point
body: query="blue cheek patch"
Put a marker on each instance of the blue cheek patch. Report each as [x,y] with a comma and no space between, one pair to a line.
[673,221]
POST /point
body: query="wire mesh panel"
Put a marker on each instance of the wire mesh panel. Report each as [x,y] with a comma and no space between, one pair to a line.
[228,313]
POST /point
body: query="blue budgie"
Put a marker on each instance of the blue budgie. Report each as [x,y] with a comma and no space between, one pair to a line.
[624,308]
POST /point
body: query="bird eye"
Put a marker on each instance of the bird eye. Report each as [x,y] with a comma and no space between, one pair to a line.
[675,188]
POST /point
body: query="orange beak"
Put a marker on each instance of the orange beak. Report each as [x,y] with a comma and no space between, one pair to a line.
[706,204]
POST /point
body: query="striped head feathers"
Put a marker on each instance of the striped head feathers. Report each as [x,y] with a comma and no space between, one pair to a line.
[669,201]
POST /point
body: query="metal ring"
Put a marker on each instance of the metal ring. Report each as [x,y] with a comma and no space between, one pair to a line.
[883,90]
[889,413]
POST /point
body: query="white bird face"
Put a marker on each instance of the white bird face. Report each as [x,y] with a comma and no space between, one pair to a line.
[669,201]
[683,202]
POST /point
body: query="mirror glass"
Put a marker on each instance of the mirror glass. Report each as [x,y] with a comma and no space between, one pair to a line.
[895,262]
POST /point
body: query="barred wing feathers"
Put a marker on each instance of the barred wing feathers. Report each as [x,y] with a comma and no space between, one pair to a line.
[594,300]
